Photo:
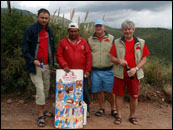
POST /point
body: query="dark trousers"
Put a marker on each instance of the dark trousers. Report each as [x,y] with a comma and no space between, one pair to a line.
[86,93]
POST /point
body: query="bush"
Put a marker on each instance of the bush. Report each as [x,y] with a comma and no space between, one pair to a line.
[59,33]
[13,26]
[158,78]
[167,89]
[157,73]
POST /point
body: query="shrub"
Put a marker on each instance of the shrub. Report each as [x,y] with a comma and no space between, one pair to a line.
[167,89]
[157,73]
[158,77]
[13,26]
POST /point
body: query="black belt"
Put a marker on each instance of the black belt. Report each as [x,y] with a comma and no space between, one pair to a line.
[103,69]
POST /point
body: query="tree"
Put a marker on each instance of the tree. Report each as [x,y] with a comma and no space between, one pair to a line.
[13,26]
[9,6]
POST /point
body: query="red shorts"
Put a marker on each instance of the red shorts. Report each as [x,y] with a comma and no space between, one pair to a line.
[120,85]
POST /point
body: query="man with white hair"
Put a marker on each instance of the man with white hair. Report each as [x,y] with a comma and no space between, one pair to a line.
[73,52]
[128,55]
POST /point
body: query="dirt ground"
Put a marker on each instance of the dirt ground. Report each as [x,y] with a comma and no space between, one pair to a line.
[23,115]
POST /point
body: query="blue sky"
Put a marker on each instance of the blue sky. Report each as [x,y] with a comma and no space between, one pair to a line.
[143,13]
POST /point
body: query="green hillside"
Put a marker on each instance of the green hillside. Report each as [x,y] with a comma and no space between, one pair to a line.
[158,40]
[24,12]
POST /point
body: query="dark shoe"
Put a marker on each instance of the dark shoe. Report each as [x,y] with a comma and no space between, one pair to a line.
[88,114]
[41,123]
[48,114]
[133,120]
[114,113]
[100,112]
[118,120]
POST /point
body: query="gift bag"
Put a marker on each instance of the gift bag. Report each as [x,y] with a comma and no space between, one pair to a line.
[70,109]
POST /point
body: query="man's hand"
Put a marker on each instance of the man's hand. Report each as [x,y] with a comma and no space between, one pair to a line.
[122,62]
[37,63]
[87,74]
[132,72]
[67,69]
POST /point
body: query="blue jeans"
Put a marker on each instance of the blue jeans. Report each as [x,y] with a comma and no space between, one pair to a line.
[86,93]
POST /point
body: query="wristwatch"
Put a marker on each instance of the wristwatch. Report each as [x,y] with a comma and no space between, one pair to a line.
[136,68]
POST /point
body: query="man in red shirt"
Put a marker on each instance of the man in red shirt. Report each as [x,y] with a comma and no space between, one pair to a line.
[128,51]
[73,52]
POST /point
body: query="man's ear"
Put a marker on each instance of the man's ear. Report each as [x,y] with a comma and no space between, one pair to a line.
[104,27]
[134,29]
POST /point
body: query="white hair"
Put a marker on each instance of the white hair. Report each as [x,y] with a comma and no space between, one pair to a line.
[127,24]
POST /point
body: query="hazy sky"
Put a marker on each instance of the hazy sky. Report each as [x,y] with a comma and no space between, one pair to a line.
[143,13]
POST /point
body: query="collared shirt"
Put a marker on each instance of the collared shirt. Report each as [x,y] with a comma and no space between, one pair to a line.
[76,56]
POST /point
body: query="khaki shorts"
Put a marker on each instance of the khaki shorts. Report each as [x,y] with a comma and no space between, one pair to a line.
[41,80]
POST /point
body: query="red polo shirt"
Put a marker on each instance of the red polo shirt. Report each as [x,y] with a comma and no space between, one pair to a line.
[129,54]
[43,46]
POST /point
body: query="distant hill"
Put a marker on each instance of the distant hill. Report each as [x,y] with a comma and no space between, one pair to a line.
[25,12]
[158,40]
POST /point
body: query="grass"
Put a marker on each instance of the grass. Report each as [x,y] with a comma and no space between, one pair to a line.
[157,73]
[158,77]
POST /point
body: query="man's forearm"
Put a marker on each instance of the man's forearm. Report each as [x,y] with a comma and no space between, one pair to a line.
[142,62]
[118,61]
[115,60]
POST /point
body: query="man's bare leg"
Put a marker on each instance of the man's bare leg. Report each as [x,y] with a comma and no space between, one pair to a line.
[119,105]
[119,102]
[133,105]
[40,112]
[100,96]
[111,99]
